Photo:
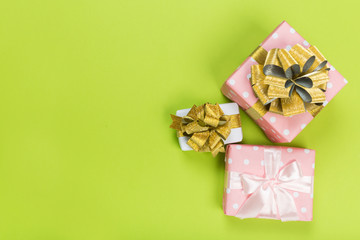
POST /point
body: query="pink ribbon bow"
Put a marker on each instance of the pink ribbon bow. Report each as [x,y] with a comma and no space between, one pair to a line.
[268,196]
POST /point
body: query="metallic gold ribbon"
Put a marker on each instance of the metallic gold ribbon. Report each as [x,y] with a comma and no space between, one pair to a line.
[207,127]
[256,111]
[288,82]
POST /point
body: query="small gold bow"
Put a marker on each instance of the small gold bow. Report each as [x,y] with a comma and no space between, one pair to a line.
[290,82]
[207,127]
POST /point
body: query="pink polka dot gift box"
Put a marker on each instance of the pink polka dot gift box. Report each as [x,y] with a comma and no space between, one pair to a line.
[269,182]
[284,84]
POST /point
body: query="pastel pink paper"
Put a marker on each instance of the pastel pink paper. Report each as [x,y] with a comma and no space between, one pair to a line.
[248,159]
[238,88]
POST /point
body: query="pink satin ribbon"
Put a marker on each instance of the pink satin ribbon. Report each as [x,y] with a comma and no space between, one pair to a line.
[268,196]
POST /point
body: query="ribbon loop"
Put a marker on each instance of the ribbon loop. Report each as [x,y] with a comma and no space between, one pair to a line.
[251,183]
[260,90]
[278,92]
[319,78]
[293,105]
[289,64]
[257,74]
[320,61]
[272,64]
[303,57]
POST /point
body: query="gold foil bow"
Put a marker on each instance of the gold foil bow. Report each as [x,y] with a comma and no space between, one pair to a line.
[290,82]
[207,127]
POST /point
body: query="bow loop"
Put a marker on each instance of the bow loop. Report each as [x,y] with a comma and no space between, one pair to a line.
[194,127]
[272,64]
[304,82]
[250,183]
[318,78]
[289,64]
[303,57]
[213,114]
[290,172]
[198,140]
[257,74]
[320,60]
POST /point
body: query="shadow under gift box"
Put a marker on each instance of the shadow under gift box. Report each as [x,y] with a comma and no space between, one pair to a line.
[293,176]
[228,109]
[238,88]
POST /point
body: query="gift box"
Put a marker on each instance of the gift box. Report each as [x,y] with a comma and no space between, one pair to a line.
[269,182]
[214,127]
[255,84]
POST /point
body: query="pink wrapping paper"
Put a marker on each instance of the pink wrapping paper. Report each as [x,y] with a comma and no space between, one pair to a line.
[238,88]
[249,159]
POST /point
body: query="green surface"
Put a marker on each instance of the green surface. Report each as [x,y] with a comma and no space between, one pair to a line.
[87,87]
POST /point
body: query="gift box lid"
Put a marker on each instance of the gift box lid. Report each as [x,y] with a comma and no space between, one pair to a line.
[238,88]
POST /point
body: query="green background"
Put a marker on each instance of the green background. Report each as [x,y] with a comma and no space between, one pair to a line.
[86,90]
